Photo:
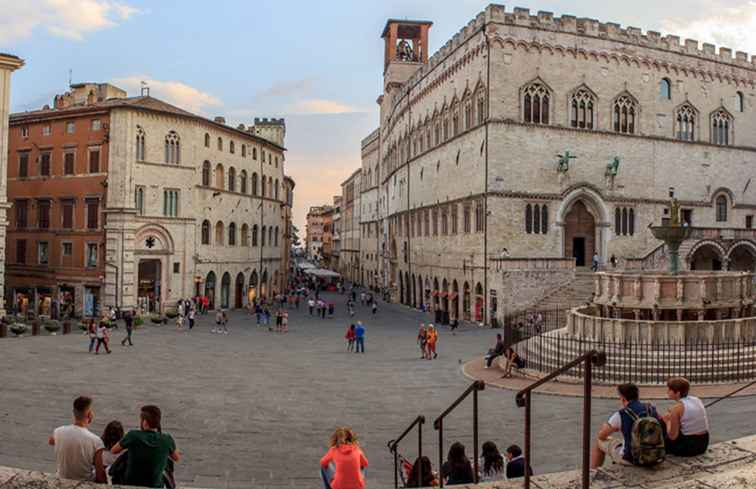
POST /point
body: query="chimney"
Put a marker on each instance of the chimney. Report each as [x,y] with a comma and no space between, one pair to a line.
[220,119]
[91,98]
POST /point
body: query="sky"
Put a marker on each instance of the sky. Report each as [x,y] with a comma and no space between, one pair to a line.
[318,64]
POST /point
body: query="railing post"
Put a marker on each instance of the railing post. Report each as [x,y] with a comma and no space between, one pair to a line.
[527,440]
[396,463]
[587,422]
[420,450]
[440,452]
[475,433]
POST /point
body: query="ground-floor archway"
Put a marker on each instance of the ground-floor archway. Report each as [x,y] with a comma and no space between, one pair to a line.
[252,289]
[210,290]
[225,290]
[706,257]
[580,234]
[742,257]
[149,284]
[239,291]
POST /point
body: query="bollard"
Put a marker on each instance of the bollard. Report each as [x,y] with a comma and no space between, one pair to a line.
[3,330]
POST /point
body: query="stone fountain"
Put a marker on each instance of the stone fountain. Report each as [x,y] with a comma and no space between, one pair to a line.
[672,233]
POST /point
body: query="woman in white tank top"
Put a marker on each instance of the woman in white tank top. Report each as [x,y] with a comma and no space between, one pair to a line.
[687,422]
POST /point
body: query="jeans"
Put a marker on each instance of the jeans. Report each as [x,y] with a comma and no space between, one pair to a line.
[92,341]
[128,337]
[328,473]
[360,345]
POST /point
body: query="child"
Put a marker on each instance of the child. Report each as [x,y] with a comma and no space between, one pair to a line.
[350,337]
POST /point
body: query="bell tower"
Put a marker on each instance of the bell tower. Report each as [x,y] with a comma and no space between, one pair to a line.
[406,49]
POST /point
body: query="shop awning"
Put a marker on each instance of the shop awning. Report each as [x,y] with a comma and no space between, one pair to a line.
[322,272]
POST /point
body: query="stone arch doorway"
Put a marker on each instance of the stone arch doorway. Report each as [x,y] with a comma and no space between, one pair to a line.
[706,257]
[150,284]
[479,299]
[401,288]
[252,290]
[454,314]
[742,257]
[580,234]
[225,290]
[436,293]
[414,291]
[466,301]
[210,290]
[239,291]
[420,293]
[408,289]
[264,284]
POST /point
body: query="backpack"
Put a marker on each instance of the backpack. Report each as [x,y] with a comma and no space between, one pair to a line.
[647,438]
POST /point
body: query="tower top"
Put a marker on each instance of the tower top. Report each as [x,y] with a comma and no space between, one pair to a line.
[406,41]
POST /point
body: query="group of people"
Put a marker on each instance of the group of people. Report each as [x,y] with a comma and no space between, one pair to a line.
[638,435]
[142,457]
[514,360]
[427,338]
[355,337]
[320,307]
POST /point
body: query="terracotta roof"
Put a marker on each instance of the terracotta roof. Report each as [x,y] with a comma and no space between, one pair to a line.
[142,102]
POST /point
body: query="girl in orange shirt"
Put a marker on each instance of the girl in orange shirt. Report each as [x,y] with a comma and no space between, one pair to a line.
[343,466]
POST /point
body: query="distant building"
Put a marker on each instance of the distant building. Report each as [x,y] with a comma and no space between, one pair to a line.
[349,265]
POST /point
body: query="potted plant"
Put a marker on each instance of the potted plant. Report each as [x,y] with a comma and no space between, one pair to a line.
[156,318]
[138,322]
[84,326]
[171,313]
[18,329]
[52,326]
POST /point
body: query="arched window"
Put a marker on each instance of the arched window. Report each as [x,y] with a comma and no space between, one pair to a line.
[687,123]
[232,179]
[618,221]
[245,235]
[544,219]
[721,127]
[172,148]
[244,150]
[479,218]
[536,100]
[276,236]
[207,140]
[270,236]
[275,196]
[254,235]
[205,232]
[206,174]
[231,147]
[254,184]
[220,143]
[624,113]
[481,108]
[264,182]
[665,89]
[219,233]
[631,222]
[582,104]
[232,234]
[624,221]
[740,101]
[262,236]
[140,155]
[219,176]
[537,218]
[243,181]
[721,208]
[270,186]
[254,153]
[139,200]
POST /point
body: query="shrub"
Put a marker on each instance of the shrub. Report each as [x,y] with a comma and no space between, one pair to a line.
[171,313]
[138,321]
[52,326]
[83,325]
[18,329]
[156,318]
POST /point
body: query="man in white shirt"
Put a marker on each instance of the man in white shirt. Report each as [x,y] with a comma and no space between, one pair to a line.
[75,446]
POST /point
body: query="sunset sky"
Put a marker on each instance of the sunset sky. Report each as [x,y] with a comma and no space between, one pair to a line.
[316,63]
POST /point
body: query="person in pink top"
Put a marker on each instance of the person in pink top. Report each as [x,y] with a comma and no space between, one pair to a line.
[343,466]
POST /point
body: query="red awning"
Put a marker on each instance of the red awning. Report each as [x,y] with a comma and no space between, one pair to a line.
[435,293]
[443,294]
[453,295]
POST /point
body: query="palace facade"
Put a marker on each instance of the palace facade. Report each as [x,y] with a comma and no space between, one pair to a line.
[133,202]
[530,143]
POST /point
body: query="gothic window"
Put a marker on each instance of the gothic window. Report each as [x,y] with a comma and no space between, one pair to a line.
[264,184]
[270,236]
[444,221]
[468,115]
[536,218]
[536,101]
[254,235]
[207,140]
[275,190]
[254,184]
[446,129]
[721,127]
[206,174]
[243,181]
[435,221]
[454,219]
[219,176]
[275,235]
[270,186]
[665,89]
[479,217]
[740,101]
[624,114]
[219,233]
[231,147]
[232,234]
[466,218]
[721,208]
[139,200]
[438,133]
[206,232]
[172,148]
[687,123]
[220,143]
[624,221]
[245,235]
[232,179]
[426,218]
[582,105]
[140,155]
[481,108]
[262,236]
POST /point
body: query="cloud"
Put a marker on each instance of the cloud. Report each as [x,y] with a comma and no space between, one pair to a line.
[320,106]
[288,88]
[726,25]
[174,92]
[70,19]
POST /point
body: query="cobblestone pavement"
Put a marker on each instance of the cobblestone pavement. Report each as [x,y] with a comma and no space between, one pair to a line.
[258,407]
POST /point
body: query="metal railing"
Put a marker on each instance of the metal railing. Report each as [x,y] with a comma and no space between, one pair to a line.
[727,396]
[438,424]
[524,399]
[394,444]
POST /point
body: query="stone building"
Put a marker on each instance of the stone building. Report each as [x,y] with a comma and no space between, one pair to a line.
[530,143]
[336,246]
[176,204]
[288,235]
[314,231]
[8,64]
[349,265]
[371,273]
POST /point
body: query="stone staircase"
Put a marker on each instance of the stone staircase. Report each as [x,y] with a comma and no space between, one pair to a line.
[575,293]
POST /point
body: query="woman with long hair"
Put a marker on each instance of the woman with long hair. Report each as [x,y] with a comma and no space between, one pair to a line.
[491,463]
[104,458]
[457,468]
[343,466]
[422,468]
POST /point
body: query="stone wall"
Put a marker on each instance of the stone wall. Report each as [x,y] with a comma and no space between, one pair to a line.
[521,283]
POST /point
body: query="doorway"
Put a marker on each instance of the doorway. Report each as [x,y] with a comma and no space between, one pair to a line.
[149,285]
[578,251]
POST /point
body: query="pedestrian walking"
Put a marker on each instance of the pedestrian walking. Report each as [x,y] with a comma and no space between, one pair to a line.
[350,337]
[422,341]
[432,339]
[102,337]
[311,305]
[375,308]
[192,312]
[285,322]
[218,321]
[92,333]
[128,318]
[224,322]
[359,336]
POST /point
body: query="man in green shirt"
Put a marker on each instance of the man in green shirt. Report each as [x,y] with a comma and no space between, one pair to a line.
[148,450]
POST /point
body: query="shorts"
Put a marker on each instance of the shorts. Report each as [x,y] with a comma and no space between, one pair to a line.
[615,448]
